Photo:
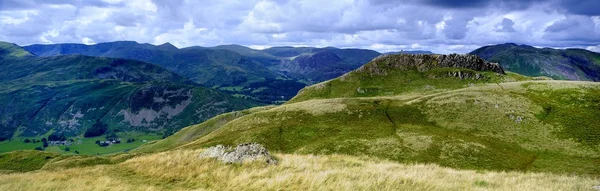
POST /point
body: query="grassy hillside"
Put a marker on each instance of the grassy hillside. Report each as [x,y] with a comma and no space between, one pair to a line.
[183,170]
[495,122]
[405,74]
[194,132]
[567,64]
[13,50]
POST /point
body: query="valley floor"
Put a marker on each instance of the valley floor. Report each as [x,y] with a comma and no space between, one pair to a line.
[184,170]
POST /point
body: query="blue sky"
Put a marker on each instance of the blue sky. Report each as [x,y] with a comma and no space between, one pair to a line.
[442,26]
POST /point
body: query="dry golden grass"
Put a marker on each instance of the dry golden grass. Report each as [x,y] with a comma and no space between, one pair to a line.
[183,170]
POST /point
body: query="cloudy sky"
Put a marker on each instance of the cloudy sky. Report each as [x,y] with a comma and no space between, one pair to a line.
[442,26]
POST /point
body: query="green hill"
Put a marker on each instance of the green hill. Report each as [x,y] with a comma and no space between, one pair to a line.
[457,111]
[13,50]
[73,94]
[567,64]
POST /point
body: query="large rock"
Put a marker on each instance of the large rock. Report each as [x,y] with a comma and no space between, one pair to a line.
[242,153]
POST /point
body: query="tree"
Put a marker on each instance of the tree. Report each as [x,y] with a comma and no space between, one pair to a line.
[27,141]
[45,144]
[44,139]
[67,149]
[39,148]
[97,129]
[57,137]
[111,136]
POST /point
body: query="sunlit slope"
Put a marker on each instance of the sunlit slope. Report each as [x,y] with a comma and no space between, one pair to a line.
[193,132]
[526,125]
[540,126]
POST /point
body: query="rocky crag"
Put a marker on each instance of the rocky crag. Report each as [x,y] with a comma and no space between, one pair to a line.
[425,62]
[246,152]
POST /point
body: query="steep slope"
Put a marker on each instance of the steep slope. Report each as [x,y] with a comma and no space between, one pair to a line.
[71,94]
[457,111]
[567,64]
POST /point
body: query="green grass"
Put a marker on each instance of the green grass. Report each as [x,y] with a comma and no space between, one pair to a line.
[13,50]
[87,146]
[7,146]
[232,88]
[22,161]
[193,132]
[395,82]
[460,129]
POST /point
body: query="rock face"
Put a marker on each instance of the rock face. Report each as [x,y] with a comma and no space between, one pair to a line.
[242,153]
[422,62]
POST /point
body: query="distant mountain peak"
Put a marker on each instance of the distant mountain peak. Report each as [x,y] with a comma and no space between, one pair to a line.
[167,46]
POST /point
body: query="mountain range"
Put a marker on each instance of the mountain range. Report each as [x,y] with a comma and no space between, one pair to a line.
[565,64]
[70,94]
[269,76]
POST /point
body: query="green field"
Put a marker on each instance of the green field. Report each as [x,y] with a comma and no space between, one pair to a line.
[86,147]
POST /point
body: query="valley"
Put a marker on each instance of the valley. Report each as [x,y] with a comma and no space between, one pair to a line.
[393,117]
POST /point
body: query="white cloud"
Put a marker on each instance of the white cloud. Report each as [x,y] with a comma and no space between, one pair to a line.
[87,41]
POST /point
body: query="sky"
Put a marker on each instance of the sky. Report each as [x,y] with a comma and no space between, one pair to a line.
[441,26]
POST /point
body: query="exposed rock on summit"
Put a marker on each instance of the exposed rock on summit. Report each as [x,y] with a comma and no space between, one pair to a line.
[422,63]
[242,153]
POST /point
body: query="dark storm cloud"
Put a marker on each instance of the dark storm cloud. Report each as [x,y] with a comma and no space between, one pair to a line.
[563,25]
[463,4]
[506,26]
[582,7]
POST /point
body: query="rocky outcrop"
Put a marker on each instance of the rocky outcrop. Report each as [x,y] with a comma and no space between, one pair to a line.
[422,63]
[242,153]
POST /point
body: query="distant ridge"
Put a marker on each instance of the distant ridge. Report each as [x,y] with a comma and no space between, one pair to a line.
[562,64]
